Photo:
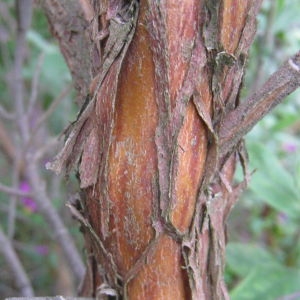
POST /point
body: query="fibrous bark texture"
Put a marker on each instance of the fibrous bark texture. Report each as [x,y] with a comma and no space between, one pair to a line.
[156,192]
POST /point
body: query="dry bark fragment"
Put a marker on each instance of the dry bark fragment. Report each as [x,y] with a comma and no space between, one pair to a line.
[160,139]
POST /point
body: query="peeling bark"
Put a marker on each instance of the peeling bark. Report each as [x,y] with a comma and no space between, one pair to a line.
[156,145]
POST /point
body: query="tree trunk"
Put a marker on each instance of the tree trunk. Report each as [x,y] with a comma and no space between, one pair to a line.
[155,176]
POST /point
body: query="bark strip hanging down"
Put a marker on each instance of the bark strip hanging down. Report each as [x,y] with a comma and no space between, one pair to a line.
[121,32]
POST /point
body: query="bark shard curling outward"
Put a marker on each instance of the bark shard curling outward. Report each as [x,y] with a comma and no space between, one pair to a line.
[156,143]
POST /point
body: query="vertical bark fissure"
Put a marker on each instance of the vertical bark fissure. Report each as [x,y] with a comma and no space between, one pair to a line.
[157,32]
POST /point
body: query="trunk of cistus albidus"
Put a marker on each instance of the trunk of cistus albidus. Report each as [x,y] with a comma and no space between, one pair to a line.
[153,141]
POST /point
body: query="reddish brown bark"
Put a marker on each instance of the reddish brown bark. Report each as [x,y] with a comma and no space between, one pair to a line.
[152,173]
[157,190]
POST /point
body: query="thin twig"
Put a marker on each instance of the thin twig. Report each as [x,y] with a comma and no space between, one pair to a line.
[9,25]
[14,263]
[11,220]
[6,143]
[24,14]
[35,84]
[50,144]
[23,21]
[37,184]
[19,215]
[54,220]
[240,121]
[43,118]
[14,191]
[6,114]
[6,16]
[52,107]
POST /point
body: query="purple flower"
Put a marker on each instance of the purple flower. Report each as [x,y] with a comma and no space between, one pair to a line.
[282,218]
[289,147]
[41,250]
[28,202]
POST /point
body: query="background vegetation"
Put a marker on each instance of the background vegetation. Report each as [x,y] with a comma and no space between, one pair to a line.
[263,254]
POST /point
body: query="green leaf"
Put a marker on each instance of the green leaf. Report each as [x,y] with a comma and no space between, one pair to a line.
[272,183]
[38,41]
[285,121]
[288,16]
[53,68]
[54,71]
[268,283]
[242,258]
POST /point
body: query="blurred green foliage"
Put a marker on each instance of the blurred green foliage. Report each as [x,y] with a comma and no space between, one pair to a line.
[263,254]
[34,242]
